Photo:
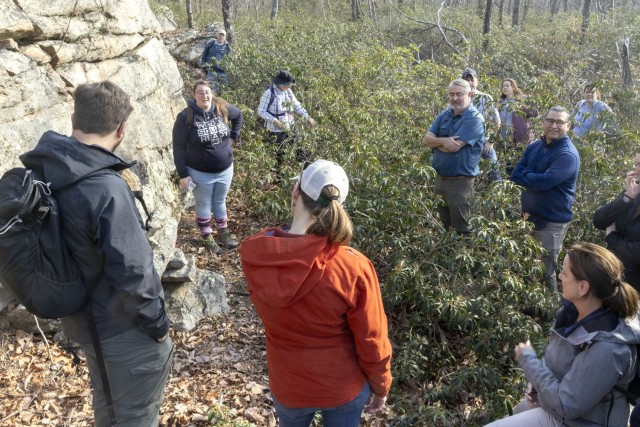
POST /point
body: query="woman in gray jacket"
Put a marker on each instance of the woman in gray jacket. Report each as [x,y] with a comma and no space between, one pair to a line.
[591,349]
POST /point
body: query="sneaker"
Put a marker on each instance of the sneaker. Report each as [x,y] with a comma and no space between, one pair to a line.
[211,244]
[224,236]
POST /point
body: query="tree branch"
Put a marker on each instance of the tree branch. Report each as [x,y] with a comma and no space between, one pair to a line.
[441,28]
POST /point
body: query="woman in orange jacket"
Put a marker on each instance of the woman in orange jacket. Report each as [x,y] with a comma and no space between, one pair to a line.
[320,303]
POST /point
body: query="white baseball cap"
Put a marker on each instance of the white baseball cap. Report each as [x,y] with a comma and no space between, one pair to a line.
[317,175]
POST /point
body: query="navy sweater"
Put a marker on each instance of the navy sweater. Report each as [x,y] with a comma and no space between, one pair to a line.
[548,173]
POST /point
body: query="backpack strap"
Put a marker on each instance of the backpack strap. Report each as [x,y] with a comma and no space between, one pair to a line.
[138,195]
[271,99]
[189,117]
[104,377]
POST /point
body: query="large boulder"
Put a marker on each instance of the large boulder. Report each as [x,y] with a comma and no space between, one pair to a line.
[46,52]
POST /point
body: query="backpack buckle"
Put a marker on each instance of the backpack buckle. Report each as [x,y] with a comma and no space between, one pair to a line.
[42,212]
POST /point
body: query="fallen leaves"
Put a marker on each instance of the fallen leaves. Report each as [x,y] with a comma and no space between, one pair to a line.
[219,374]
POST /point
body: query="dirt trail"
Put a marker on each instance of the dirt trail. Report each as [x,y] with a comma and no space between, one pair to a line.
[219,367]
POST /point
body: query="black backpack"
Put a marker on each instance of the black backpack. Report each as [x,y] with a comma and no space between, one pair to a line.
[35,264]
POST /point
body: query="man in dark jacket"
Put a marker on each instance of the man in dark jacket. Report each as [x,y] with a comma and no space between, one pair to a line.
[548,171]
[105,235]
[214,51]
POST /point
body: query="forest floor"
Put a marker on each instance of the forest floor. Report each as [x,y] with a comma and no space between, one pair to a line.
[219,375]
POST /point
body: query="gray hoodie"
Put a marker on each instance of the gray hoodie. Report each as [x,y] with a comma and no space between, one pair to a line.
[575,379]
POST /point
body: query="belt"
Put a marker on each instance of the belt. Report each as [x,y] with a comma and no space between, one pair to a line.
[447,178]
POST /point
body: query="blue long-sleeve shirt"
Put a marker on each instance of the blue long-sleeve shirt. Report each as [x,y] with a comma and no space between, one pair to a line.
[548,172]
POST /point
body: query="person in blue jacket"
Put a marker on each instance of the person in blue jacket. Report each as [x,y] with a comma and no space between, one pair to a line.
[548,171]
[214,51]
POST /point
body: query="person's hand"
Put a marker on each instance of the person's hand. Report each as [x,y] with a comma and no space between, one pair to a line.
[184,183]
[277,124]
[375,404]
[631,184]
[487,147]
[236,143]
[451,145]
[520,347]
[531,395]
[311,122]
[610,229]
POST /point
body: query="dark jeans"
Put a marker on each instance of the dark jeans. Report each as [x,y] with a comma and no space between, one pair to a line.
[281,140]
[218,80]
[347,415]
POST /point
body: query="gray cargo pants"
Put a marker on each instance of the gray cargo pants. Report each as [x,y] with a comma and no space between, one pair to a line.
[137,368]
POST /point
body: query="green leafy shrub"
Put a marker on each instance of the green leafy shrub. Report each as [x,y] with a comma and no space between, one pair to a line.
[454,303]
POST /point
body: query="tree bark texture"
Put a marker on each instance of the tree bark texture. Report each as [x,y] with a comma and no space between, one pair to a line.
[623,61]
[189,14]
[274,9]
[515,13]
[586,15]
[228,19]
[355,10]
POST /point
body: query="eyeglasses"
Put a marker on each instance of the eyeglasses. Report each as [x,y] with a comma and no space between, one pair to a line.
[558,123]
[203,93]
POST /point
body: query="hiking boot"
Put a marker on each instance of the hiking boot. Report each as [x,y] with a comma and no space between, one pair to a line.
[224,236]
[211,244]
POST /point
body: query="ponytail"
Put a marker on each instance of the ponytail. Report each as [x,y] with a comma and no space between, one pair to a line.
[331,219]
[603,271]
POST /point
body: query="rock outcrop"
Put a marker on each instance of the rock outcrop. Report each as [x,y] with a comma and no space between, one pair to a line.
[46,52]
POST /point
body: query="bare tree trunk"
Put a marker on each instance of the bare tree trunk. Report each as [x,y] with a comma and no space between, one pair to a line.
[527,3]
[623,61]
[228,19]
[274,9]
[586,14]
[355,10]
[515,14]
[486,28]
[189,14]
[500,12]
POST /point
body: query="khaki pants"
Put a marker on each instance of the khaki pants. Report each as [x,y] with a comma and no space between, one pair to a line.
[550,238]
[456,209]
[525,416]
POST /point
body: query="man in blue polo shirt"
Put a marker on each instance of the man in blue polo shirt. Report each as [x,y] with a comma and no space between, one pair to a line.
[548,171]
[456,139]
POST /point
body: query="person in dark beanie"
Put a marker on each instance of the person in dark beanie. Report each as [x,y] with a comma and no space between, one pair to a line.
[277,107]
